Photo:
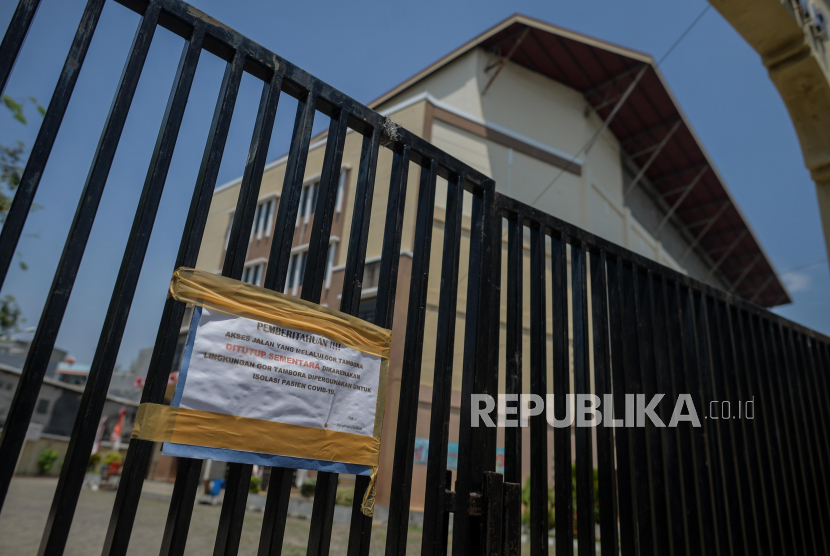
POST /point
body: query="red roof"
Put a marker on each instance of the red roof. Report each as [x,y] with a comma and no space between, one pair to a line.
[603,72]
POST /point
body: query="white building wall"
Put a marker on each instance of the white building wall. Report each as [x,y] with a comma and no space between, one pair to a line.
[549,114]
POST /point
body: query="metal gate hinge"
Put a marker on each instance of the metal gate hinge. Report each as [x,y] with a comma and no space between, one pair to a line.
[476,505]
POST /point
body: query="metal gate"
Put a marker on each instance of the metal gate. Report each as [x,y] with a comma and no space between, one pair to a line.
[728,487]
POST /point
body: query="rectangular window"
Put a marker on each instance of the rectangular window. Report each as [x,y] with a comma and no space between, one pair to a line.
[367,309]
[301,267]
[371,275]
[263,223]
[289,280]
[308,201]
[311,201]
[269,221]
[308,198]
[263,219]
[341,186]
[253,274]
[330,264]
[228,235]
[296,269]
[301,206]
[257,216]
[42,407]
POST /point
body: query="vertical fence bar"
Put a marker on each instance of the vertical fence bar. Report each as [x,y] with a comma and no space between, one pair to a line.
[674,495]
[512,520]
[582,385]
[359,234]
[727,439]
[821,413]
[14,37]
[232,515]
[704,480]
[413,351]
[795,405]
[29,181]
[629,528]
[823,367]
[661,511]
[686,473]
[714,433]
[796,530]
[602,384]
[391,250]
[633,385]
[322,514]
[468,530]
[801,487]
[766,445]
[759,532]
[249,188]
[277,269]
[493,494]
[818,369]
[538,387]
[434,536]
[276,502]
[318,245]
[561,388]
[188,479]
[737,445]
[139,452]
[814,420]
[276,511]
[513,349]
[40,352]
[491,370]
[387,287]
[360,531]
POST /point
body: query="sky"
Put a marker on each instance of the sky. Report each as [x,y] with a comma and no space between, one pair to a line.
[365,49]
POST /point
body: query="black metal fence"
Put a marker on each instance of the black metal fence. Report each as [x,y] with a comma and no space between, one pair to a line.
[728,487]
[739,483]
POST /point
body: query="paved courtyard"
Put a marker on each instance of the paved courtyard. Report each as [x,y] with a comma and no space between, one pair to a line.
[28,501]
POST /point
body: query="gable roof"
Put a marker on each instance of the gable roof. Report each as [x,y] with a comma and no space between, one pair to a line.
[706,214]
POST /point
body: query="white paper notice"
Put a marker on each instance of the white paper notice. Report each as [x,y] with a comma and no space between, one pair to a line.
[254,369]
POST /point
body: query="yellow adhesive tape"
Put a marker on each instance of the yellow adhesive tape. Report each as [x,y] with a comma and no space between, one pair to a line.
[164,423]
[238,298]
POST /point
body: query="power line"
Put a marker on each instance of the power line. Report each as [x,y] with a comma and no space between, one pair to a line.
[683,34]
[593,138]
[802,267]
[636,79]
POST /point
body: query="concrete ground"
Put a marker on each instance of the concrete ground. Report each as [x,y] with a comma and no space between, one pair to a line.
[27,505]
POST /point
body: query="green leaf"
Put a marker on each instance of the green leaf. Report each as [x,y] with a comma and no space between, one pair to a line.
[15,108]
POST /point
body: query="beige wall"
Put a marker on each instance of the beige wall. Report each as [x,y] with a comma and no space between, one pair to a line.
[537,110]
[224,201]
